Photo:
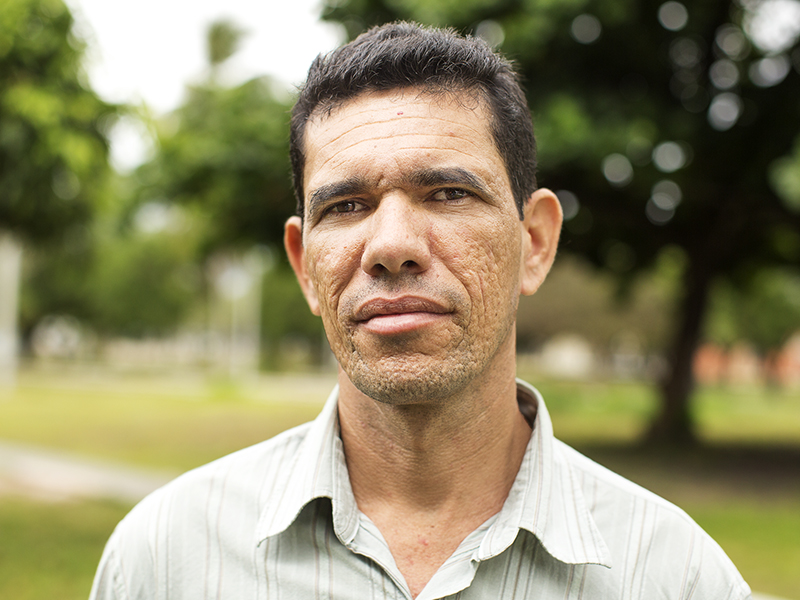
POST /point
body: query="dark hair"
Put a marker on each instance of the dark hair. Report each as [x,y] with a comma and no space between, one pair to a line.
[402,55]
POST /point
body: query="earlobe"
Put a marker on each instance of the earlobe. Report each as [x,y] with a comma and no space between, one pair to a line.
[541,228]
[293,242]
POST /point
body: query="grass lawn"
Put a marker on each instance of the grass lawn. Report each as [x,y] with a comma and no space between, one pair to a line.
[742,484]
[50,551]
[764,542]
[167,423]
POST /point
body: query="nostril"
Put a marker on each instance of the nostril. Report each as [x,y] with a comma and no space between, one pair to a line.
[397,239]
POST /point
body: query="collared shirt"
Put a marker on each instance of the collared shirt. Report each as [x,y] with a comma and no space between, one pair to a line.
[279,521]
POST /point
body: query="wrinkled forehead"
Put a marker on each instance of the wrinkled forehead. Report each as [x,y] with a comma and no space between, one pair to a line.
[352,112]
[415,119]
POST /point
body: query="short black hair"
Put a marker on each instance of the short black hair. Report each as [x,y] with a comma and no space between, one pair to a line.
[403,55]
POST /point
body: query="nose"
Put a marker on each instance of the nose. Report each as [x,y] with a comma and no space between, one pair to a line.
[397,238]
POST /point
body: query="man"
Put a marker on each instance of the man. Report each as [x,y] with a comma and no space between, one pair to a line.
[431,472]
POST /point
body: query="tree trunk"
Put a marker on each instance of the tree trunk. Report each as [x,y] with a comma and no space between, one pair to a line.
[10,266]
[674,423]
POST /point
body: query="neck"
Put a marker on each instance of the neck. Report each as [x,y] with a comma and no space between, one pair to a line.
[426,454]
[439,469]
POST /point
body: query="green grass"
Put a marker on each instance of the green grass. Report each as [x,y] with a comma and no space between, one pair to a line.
[742,485]
[619,411]
[762,541]
[753,414]
[50,551]
[164,423]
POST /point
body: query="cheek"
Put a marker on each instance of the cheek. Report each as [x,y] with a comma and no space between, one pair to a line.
[330,268]
[486,261]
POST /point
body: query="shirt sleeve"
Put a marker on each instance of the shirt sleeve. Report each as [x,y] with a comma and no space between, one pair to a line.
[108,583]
[715,576]
[127,569]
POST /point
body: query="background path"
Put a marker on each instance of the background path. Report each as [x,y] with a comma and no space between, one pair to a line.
[54,475]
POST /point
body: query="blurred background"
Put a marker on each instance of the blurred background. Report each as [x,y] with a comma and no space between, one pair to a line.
[149,321]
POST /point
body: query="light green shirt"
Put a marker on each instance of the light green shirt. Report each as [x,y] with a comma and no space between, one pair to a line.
[279,521]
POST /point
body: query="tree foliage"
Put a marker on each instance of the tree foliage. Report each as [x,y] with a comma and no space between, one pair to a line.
[224,38]
[53,146]
[581,300]
[224,155]
[124,275]
[226,150]
[765,312]
[285,317]
[660,125]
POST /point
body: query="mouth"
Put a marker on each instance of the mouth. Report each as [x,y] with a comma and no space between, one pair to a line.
[388,316]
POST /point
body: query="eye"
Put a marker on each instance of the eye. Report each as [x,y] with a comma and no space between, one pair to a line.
[346,206]
[450,195]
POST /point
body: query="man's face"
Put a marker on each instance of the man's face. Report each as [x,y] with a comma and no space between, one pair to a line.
[412,247]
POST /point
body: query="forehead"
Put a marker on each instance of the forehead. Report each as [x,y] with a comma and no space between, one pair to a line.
[377,133]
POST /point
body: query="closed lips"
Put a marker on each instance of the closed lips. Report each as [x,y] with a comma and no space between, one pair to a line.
[384,306]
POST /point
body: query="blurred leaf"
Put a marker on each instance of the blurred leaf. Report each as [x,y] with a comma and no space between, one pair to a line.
[49,123]
[223,40]
[226,151]
[765,313]
[785,179]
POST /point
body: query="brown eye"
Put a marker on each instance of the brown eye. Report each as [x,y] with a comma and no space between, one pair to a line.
[344,207]
[450,194]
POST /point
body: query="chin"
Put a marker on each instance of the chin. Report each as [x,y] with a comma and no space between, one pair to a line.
[399,381]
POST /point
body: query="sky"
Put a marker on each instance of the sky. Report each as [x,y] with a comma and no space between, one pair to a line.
[146,51]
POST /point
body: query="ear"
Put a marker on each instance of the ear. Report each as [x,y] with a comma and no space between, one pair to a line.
[541,227]
[293,242]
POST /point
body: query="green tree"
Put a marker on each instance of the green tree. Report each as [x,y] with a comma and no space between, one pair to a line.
[225,151]
[581,299]
[224,155]
[53,145]
[661,125]
[143,286]
[224,39]
[764,311]
[132,272]
[285,315]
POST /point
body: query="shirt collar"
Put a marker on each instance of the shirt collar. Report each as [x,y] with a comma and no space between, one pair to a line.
[545,499]
[318,470]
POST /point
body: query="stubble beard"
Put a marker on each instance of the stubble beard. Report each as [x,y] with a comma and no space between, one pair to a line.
[416,370]
[408,378]
[403,381]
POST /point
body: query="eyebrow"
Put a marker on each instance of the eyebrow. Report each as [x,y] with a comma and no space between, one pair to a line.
[357,185]
[352,186]
[447,176]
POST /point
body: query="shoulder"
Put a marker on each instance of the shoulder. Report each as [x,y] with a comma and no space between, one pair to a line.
[596,479]
[245,476]
[265,460]
[650,538]
[212,509]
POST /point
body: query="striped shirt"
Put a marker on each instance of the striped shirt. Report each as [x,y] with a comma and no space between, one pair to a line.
[279,521]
